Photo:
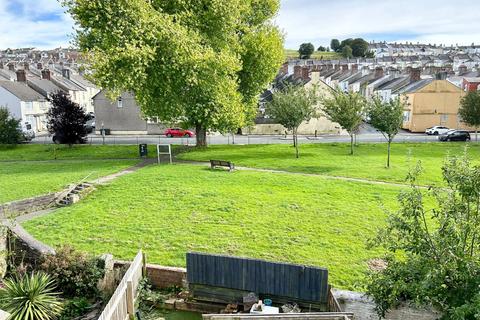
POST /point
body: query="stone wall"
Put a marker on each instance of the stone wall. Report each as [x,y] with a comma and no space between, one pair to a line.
[28,205]
[364,308]
[162,277]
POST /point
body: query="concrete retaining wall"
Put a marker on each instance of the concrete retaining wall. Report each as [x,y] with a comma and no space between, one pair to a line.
[28,205]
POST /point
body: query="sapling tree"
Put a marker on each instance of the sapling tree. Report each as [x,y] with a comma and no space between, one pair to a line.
[470,110]
[386,117]
[292,106]
[433,247]
[66,120]
[347,109]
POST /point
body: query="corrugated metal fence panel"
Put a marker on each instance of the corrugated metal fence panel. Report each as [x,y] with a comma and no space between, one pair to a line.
[262,277]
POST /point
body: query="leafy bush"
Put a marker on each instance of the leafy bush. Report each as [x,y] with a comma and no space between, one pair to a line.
[434,255]
[76,273]
[75,308]
[9,128]
[31,297]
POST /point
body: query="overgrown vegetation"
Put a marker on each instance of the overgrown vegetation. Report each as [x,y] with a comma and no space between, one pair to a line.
[433,256]
[75,272]
[469,111]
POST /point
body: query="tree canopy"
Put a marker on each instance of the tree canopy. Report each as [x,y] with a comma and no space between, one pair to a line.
[9,128]
[200,63]
[347,109]
[347,52]
[386,117]
[335,45]
[358,47]
[66,120]
[306,50]
[470,110]
[292,106]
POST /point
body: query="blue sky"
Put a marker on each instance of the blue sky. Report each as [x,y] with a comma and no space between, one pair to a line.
[43,23]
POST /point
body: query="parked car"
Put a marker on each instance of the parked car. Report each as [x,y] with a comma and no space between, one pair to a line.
[455,135]
[28,133]
[177,132]
[90,125]
[437,130]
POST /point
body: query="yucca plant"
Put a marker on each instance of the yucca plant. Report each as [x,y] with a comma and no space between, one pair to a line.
[31,297]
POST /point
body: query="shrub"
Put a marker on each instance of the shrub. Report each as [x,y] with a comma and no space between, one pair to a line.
[75,308]
[31,298]
[9,128]
[76,273]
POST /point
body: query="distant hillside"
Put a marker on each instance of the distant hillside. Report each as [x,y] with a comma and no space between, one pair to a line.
[293,54]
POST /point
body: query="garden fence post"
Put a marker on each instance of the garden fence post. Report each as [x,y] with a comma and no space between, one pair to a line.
[130,300]
[144,264]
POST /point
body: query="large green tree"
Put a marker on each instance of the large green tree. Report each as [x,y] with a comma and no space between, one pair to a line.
[433,250]
[292,106]
[202,63]
[335,45]
[470,111]
[386,117]
[347,109]
[306,50]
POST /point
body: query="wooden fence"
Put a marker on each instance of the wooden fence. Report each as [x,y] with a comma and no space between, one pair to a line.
[121,304]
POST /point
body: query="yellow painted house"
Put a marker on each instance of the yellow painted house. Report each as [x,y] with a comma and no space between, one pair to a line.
[432,103]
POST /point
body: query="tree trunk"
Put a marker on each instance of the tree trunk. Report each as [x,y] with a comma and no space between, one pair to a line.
[293,138]
[476,134]
[296,143]
[388,153]
[351,144]
[201,135]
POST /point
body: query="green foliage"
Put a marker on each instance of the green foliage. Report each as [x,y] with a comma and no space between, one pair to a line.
[75,307]
[386,117]
[31,297]
[76,273]
[148,296]
[469,109]
[347,109]
[347,52]
[66,120]
[335,45]
[434,256]
[323,49]
[359,47]
[200,63]
[9,128]
[305,51]
[292,106]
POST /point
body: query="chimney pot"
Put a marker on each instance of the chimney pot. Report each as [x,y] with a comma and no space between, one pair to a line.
[415,74]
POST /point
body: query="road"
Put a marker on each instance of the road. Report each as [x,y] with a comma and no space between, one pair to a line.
[244,139]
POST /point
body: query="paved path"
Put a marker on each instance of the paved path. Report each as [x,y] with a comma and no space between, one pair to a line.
[361,180]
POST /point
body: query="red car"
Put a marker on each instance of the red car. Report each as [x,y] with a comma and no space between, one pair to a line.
[177,132]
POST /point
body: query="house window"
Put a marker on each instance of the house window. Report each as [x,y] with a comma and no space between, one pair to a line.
[119,102]
[29,106]
[406,116]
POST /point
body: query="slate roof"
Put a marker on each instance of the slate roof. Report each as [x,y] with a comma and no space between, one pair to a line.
[21,91]
[415,86]
[44,86]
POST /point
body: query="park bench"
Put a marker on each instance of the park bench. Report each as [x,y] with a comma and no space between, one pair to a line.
[219,163]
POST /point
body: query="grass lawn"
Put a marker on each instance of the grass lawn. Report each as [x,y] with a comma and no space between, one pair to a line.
[19,180]
[82,152]
[335,160]
[293,54]
[169,210]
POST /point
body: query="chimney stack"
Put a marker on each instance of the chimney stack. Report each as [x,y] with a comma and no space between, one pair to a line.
[297,72]
[26,66]
[1,65]
[354,67]
[284,69]
[21,76]
[305,73]
[345,67]
[378,72]
[11,67]
[415,74]
[46,75]
[39,66]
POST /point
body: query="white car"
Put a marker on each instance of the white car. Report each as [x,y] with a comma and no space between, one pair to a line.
[437,130]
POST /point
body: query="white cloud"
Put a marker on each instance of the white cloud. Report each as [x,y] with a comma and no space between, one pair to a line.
[447,22]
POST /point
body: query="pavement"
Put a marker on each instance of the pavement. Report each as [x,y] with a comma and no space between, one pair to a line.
[245,139]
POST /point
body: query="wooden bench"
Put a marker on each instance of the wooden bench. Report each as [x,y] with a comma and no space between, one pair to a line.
[219,163]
